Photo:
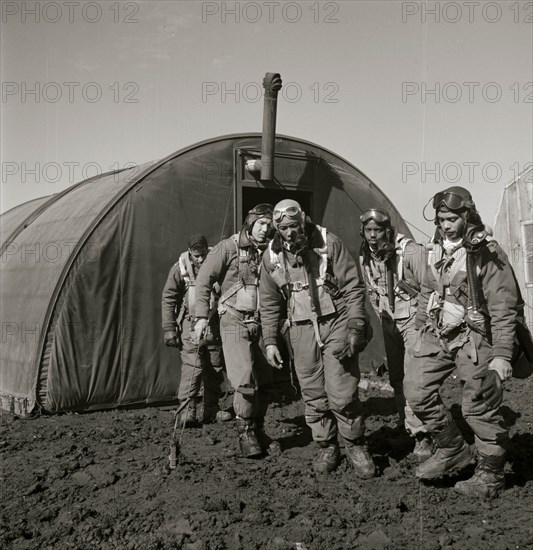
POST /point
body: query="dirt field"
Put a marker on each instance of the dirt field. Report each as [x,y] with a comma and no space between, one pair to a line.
[102,480]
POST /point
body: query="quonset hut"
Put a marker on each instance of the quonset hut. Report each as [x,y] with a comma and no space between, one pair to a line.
[82,271]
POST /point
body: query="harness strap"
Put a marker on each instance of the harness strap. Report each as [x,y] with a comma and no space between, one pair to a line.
[402,243]
[242,257]
[370,279]
[230,292]
[181,315]
[401,287]
[310,282]
[244,316]
[186,269]
[187,274]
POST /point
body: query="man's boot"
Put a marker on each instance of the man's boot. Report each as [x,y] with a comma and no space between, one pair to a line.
[212,395]
[211,408]
[262,437]
[423,447]
[359,458]
[224,416]
[327,458]
[248,441]
[269,445]
[399,401]
[488,479]
[188,415]
[452,454]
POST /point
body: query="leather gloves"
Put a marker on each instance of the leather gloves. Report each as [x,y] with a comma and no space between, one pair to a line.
[358,337]
[359,334]
[172,339]
[491,390]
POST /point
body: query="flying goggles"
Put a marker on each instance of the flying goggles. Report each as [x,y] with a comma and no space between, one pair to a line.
[291,212]
[376,214]
[451,200]
[261,209]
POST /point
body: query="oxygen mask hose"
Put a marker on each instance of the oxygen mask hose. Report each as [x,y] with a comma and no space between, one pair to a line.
[473,312]
[389,275]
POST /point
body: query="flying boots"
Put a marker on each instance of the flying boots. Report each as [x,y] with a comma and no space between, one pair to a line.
[224,416]
[269,445]
[211,407]
[248,441]
[327,458]
[423,447]
[262,437]
[452,454]
[188,415]
[212,394]
[399,401]
[359,459]
[487,481]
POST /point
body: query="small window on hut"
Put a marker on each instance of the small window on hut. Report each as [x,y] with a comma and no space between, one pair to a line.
[527,234]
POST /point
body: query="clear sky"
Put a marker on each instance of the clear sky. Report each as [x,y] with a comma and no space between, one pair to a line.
[419,96]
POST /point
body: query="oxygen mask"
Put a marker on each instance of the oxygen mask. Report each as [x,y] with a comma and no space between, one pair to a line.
[295,239]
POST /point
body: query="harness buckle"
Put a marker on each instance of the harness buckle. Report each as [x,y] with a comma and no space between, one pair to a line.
[251,320]
[298,286]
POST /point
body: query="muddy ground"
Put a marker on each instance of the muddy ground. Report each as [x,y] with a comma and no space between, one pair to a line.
[101,481]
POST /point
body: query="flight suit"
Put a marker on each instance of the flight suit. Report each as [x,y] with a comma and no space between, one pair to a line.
[324,295]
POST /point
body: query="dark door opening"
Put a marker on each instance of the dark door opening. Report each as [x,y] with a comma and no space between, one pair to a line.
[282,388]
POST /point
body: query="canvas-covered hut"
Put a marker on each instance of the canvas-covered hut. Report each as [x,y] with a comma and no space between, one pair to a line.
[82,271]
